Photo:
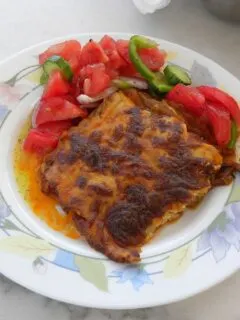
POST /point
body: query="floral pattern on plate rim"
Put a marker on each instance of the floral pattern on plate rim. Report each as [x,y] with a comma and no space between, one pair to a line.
[216,240]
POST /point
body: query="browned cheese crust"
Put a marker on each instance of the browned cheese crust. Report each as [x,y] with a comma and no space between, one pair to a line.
[125,171]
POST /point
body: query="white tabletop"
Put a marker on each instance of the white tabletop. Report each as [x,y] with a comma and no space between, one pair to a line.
[27,22]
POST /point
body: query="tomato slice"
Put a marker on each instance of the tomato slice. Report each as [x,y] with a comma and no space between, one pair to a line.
[87,71]
[129,71]
[66,49]
[122,48]
[56,128]
[220,121]
[40,142]
[112,73]
[153,58]
[56,109]
[56,86]
[74,63]
[92,53]
[189,97]
[97,82]
[109,46]
[223,99]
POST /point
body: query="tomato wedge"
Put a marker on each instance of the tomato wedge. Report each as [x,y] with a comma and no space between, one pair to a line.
[40,142]
[66,49]
[74,63]
[56,128]
[56,86]
[109,46]
[189,97]
[97,81]
[122,48]
[57,109]
[223,99]
[92,53]
[87,71]
[129,71]
[153,58]
[220,121]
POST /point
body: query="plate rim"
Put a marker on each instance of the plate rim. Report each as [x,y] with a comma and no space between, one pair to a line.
[117,306]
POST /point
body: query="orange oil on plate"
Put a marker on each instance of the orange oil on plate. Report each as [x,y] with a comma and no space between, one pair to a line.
[26,167]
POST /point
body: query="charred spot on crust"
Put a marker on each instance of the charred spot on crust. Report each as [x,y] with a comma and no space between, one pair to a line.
[136,194]
[132,145]
[66,158]
[118,132]
[87,151]
[96,136]
[155,202]
[135,124]
[101,189]
[81,182]
[158,142]
[126,222]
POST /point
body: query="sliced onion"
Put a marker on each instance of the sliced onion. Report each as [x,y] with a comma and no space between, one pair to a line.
[93,105]
[84,99]
[34,115]
[60,210]
[135,82]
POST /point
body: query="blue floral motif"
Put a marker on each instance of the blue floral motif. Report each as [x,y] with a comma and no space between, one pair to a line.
[3,112]
[65,259]
[223,233]
[136,275]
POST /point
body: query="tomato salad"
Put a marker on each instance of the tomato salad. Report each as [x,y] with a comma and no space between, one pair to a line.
[77,78]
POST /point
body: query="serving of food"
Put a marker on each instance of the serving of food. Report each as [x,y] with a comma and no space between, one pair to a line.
[119,143]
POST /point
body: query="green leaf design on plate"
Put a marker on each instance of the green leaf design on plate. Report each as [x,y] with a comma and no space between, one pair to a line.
[235,194]
[178,261]
[35,76]
[219,223]
[93,271]
[9,225]
[26,246]
[18,76]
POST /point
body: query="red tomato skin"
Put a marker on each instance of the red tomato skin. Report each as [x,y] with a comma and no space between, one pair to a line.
[87,71]
[220,122]
[40,142]
[189,97]
[74,63]
[109,46]
[66,50]
[122,48]
[153,58]
[112,73]
[223,99]
[55,128]
[56,86]
[98,82]
[129,71]
[57,109]
[92,53]
[95,80]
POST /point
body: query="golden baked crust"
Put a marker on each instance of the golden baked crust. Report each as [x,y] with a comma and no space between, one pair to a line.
[124,172]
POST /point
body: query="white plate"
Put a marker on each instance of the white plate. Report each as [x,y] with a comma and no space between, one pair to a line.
[187,257]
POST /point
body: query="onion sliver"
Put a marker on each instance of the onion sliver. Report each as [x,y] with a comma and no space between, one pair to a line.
[135,82]
[84,99]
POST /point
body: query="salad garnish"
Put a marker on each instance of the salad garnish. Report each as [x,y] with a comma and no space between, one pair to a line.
[77,78]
